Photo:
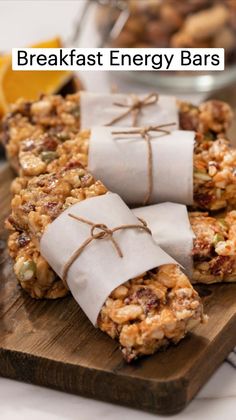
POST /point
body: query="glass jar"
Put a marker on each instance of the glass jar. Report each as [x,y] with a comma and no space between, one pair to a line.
[173,23]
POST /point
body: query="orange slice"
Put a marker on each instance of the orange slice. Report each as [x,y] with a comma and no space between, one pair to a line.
[4,60]
[29,84]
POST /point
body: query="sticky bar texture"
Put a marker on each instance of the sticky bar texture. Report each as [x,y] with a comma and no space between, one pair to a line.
[145,313]
[61,117]
[90,284]
[214,180]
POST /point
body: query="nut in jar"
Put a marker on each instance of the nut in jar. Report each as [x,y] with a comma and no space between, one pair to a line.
[170,23]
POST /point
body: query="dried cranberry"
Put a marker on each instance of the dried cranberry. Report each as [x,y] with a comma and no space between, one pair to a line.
[201,248]
[147,299]
[23,240]
[203,199]
[221,265]
[51,205]
[73,164]
[50,143]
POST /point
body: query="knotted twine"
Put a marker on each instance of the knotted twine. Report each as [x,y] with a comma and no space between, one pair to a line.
[135,108]
[99,231]
[144,132]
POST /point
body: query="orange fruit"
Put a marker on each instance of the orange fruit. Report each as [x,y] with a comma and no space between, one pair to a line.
[29,84]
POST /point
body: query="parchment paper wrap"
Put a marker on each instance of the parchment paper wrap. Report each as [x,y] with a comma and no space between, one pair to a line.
[99,109]
[99,269]
[121,162]
[171,230]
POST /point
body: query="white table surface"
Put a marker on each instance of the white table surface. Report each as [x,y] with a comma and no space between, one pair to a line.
[23,23]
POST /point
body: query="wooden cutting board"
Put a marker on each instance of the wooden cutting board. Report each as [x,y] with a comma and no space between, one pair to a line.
[51,343]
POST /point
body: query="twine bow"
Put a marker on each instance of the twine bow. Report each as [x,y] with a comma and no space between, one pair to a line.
[99,231]
[135,108]
[144,132]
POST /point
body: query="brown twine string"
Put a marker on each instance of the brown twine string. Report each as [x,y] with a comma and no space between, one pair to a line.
[144,132]
[135,108]
[103,232]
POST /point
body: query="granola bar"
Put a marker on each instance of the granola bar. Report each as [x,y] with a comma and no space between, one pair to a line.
[214,256]
[47,154]
[213,117]
[51,194]
[145,313]
[214,165]
[60,117]
[52,114]
[214,175]
[33,272]
[214,251]
[151,311]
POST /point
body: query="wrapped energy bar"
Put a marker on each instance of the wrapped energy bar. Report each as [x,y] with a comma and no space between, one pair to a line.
[146,310]
[204,245]
[61,117]
[211,167]
[212,117]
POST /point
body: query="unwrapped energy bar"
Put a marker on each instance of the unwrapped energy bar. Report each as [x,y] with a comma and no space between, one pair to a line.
[212,117]
[214,175]
[145,313]
[52,114]
[214,248]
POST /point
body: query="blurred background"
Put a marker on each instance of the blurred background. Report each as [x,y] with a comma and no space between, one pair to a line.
[118,23]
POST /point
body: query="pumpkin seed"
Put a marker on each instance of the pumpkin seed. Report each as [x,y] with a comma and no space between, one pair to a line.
[48,156]
[27,270]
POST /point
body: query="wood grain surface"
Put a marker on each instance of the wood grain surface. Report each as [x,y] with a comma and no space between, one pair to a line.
[51,343]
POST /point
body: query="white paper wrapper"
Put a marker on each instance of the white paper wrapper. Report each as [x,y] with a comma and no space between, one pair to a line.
[121,162]
[99,269]
[171,230]
[98,109]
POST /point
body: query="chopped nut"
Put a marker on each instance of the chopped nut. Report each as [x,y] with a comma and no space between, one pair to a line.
[27,271]
[48,156]
[126,313]
[201,176]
